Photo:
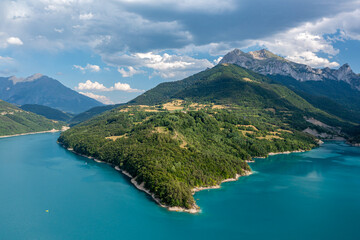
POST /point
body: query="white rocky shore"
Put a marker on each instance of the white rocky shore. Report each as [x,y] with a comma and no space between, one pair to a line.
[194,209]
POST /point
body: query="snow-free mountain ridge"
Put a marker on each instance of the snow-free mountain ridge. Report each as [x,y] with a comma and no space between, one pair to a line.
[43,90]
[268,63]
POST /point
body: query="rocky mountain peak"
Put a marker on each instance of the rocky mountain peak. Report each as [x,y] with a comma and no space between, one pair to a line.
[345,73]
[346,67]
[268,63]
[34,77]
[236,52]
[31,78]
[264,54]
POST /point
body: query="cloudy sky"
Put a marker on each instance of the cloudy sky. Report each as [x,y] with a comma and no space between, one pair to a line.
[114,50]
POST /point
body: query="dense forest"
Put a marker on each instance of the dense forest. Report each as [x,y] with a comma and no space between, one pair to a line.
[334,97]
[48,112]
[201,130]
[172,152]
[14,120]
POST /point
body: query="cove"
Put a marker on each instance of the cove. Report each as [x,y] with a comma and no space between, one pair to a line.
[311,195]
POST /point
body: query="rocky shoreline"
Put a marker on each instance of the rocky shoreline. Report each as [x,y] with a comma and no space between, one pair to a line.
[194,209]
[287,152]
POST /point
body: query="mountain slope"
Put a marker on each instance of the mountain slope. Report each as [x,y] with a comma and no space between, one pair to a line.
[14,120]
[231,84]
[47,112]
[223,83]
[92,112]
[335,97]
[197,132]
[42,90]
[268,63]
[335,91]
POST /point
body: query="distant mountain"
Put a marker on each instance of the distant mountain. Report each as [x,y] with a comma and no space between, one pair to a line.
[81,117]
[42,90]
[14,120]
[47,112]
[335,91]
[268,63]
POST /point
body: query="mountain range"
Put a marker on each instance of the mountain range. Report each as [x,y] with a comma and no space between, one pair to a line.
[195,133]
[335,91]
[268,63]
[43,90]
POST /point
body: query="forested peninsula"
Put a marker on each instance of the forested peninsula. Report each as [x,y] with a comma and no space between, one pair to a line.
[195,133]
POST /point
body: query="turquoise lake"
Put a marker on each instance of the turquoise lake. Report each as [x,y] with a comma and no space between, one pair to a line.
[312,195]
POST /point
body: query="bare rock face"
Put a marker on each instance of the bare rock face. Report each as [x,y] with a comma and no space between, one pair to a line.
[268,63]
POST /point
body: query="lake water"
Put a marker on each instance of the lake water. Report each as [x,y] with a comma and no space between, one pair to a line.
[312,195]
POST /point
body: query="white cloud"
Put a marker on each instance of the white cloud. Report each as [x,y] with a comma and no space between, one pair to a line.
[300,45]
[210,6]
[6,59]
[163,65]
[310,58]
[89,85]
[59,30]
[17,11]
[216,61]
[90,67]
[116,27]
[172,66]
[124,87]
[86,16]
[303,43]
[14,41]
[128,29]
[131,72]
[99,98]
[96,86]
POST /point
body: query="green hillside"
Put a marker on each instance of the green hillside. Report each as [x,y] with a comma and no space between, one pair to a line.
[335,97]
[81,117]
[48,112]
[231,84]
[14,120]
[172,152]
[199,131]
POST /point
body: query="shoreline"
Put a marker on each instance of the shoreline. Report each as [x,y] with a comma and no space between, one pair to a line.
[287,152]
[198,189]
[320,142]
[141,187]
[278,153]
[30,133]
[195,209]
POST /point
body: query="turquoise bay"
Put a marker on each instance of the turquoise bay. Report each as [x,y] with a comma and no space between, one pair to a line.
[312,195]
